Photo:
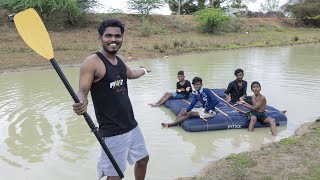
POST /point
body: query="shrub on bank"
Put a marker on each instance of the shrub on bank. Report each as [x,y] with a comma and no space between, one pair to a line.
[212,20]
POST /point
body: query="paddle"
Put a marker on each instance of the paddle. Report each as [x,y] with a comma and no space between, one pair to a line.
[35,34]
[229,103]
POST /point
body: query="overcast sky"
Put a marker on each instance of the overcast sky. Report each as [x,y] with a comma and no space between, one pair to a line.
[122,4]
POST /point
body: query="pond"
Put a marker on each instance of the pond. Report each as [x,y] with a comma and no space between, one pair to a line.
[42,138]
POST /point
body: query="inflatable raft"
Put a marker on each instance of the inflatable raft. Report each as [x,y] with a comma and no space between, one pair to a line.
[228,116]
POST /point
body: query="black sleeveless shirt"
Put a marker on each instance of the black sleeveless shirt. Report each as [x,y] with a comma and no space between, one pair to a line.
[111,101]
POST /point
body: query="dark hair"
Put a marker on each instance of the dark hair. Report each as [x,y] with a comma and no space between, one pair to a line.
[196,80]
[255,82]
[237,71]
[181,73]
[110,23]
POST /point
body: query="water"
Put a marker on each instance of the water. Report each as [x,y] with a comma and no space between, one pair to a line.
[42,138]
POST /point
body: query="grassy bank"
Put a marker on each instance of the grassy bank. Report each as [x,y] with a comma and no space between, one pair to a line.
[296,157]
[158,36]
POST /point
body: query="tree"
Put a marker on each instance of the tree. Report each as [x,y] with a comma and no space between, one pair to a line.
[185,6]
[303,8]
[215,3]
[72,9]
[238,4]
[270,5]
[145,6]
[307,10]
[114,11]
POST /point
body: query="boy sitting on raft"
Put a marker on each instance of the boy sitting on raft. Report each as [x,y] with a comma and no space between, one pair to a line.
[183,90]
[205,96]
[237,89]
[258,109]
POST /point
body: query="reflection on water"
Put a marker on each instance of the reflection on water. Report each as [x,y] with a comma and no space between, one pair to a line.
[42,138]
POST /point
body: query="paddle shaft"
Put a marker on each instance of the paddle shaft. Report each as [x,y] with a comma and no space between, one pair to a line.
[229,103]
[86,116]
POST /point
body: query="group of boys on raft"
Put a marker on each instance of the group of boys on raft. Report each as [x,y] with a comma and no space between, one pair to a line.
[236,93]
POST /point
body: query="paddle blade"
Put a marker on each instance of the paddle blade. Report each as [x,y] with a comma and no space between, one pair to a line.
[33,32]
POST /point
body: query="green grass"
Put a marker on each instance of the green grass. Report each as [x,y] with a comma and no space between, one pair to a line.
[314,173]
[241,161]
[289,141]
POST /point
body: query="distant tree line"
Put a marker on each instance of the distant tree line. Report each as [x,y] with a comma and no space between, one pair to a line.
[306,10]
[73,11]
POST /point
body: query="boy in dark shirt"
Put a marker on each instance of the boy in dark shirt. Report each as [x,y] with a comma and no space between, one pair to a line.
[237,89]
[183,90]
[205,96]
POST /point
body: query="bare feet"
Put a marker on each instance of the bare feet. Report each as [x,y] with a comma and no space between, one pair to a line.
[154,105]
[165,125]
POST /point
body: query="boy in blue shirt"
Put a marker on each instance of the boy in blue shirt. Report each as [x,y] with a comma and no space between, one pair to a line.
[205,96]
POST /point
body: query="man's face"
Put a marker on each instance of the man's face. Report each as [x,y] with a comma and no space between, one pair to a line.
[239,76]
[256,88]
[181,78]
[197,86]
[111,39]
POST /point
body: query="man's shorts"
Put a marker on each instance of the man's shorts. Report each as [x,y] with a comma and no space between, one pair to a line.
[202,114]
[125,147]
[176,95]
[261,116]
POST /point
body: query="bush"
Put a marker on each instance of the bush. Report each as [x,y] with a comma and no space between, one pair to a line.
[212,20]
[313,20]
[73,10]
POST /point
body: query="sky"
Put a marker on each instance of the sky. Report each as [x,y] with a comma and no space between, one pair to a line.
[122,4]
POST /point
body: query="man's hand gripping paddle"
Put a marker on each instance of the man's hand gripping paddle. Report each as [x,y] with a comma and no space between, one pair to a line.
[35,34]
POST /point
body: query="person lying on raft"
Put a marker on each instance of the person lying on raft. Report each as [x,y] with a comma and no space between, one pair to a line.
[258,109]
[183,91]
[237,89]
[205,96]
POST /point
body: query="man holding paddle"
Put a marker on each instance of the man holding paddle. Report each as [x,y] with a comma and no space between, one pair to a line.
[105,75]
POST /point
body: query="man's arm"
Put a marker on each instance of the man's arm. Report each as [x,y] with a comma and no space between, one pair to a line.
[188,88]
[256,106]
[178,89]
[245,91]
[227,92]
[193,103]
[245,88]
[87,72]
[214,99]
[136,73]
